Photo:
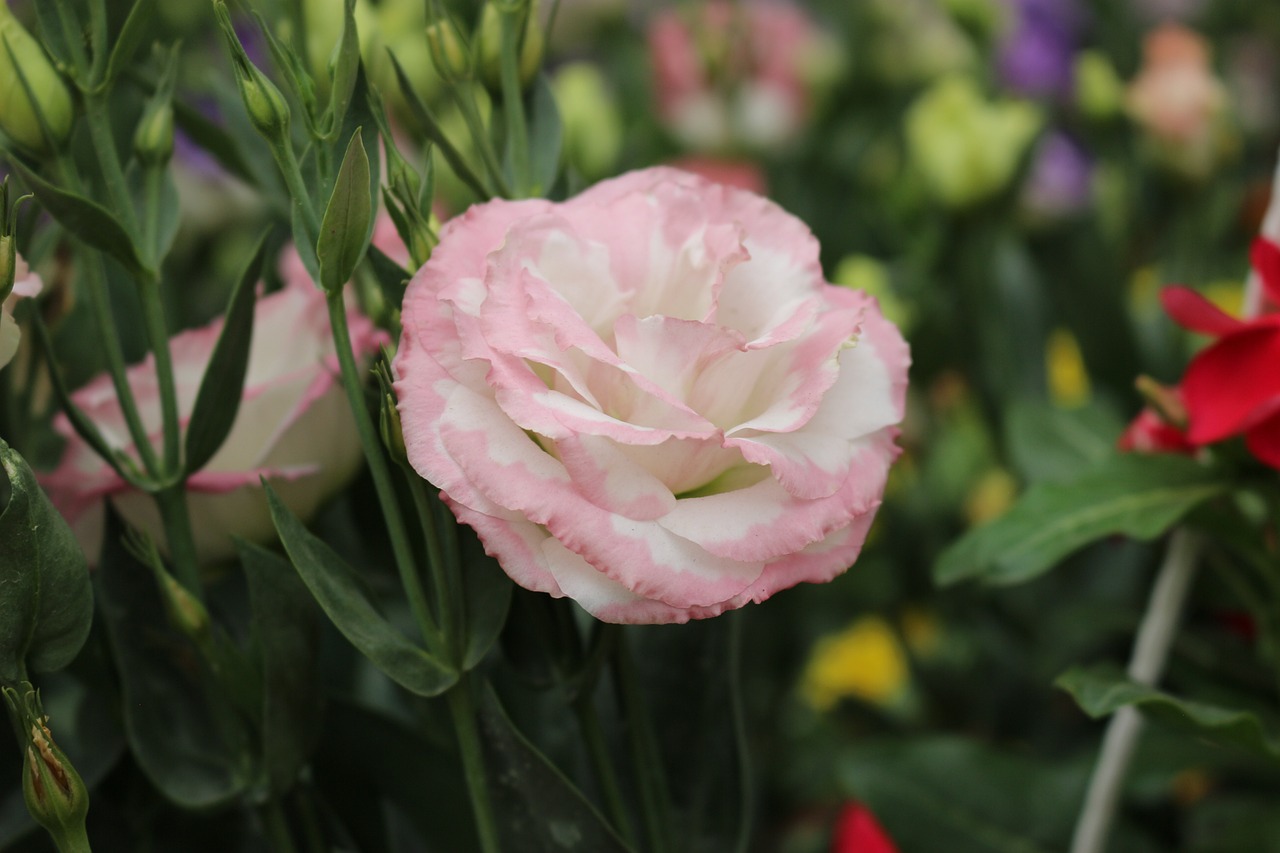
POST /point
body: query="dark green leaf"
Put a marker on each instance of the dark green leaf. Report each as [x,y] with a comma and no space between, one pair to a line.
[46,609]
[340,595]
[222,386]
[286,626]
[344,67]
[487,591]
[1134,495]
[540,810]
[1050,444]
[546,135]
[344,232]
[141,16]
[1103,690]
[182,731]
[87,220]
[54,32]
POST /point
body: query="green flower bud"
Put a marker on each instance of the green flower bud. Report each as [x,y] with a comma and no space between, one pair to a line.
[1099,92]
[490,45]
[153,140]
[54,792]
[449,50]
[392,433]
[589,114]
[35,106]
[8,265]
[268,110]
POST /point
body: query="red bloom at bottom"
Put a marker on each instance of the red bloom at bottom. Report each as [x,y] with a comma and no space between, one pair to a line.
[858,831]
[1232,386]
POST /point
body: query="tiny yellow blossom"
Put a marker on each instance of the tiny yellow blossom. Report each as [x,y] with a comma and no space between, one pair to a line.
[864,661]
[1064,366]
[990,496]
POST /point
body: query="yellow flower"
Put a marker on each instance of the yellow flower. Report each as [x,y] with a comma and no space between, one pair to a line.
[1064,365]
[864,661]
[990,496]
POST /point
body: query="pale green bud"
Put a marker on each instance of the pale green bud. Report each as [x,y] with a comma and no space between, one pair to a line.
[54,792]
[268,110]
[1099,91]
[392,432]
[589,114]
[449,51]
[153,140]
[35,106]
[490,44]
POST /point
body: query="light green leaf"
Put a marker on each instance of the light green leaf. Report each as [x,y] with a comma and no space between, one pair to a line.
[344,232]
[1134,495]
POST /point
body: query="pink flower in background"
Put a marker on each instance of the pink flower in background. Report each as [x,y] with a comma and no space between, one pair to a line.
[729,75]
[743,174]
[26,284]
[647,398]
[293,427]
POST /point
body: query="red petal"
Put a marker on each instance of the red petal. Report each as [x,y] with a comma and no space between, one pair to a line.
[1233,384]
[1265,257]
[1147,433]
[858,831]
[1263,441]
[1192,311]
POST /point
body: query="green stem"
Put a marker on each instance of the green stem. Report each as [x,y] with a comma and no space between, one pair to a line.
[746,786]
[447,593]
[114,353]
[606,774]
[172,502]
[151,214]
[291,170]
[381,474]
[104,144]
[276,827]
[512,103]
[651,780]
[467,106]
[462,708]
[158,338]
[72,839]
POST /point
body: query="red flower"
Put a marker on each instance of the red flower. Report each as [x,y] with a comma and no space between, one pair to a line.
[858,831]
[1150,433]
[1232,386]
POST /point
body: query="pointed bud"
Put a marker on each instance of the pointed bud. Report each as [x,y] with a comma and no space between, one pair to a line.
[268,110]
[35,106]
[153,140]
[392,433]
[449,51]
[54,792]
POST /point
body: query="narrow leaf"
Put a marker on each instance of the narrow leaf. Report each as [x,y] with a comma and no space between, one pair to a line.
[1103,690]
[344,68]
[1134,495]
[286,627]
[431,128]
[487,593]
[340,595]
[141,16]
[546,135]
[87,220]
[344,232]
[221,388]
[542,811]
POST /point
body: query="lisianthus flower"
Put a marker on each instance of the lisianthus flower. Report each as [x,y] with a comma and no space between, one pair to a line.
[647,398]
[1232,387]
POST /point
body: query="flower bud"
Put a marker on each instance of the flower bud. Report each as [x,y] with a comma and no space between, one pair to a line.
[491,46]
[592,127]
[53,790]
[392,433]
[153,140]
[35,106]
[449,51]
[1099,92]
[8,265]
[268,110]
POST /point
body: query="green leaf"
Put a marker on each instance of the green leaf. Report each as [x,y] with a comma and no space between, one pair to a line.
[222,386]
[487,595]
[46,609]
[344,232]
[182,730]
[431,129]
[87,220]
[1050,444]
[344,68]
[1134,495]
[546,136]
[339,593]
[539,809]
[286,627]
[141,16]
[1104,689]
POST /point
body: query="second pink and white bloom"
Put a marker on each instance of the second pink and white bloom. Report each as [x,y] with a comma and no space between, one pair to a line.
[647,398]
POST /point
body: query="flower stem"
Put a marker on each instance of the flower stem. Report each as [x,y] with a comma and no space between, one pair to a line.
[97,116]
[1150,651]
[512,106]
[650,779]
[593,735]
[381,474]
[158,338]
[462,708]
[746,785]
[448,595]
[172,502]
[276,827]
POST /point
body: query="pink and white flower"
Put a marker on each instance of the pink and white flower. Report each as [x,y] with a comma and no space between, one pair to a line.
[293,427]
[647,398]
[26,284]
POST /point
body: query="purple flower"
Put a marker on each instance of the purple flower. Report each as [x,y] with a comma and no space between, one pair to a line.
[1059,181]
[1038,55]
